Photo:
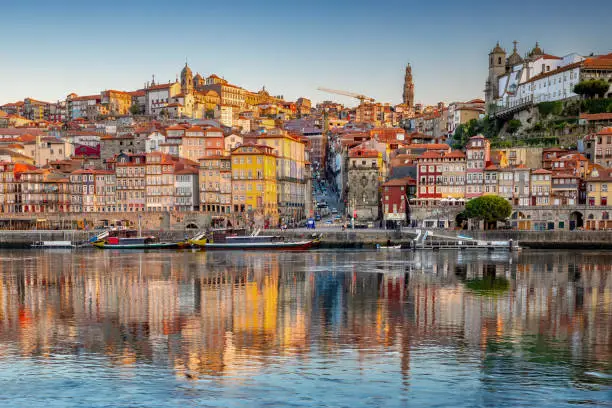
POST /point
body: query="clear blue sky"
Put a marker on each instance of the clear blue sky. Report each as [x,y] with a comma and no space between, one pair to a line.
[52,48]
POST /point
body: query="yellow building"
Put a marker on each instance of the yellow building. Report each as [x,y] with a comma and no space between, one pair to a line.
[598,185]
[116,102]
[541,186]
[290,169]
[254,183]
[515,156]
[211,100]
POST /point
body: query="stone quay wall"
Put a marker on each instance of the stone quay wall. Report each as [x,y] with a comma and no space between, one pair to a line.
[336,238]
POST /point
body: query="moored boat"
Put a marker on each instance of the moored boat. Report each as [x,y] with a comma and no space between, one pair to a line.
[53,244]
[230,240]
[378,246]
[129,239]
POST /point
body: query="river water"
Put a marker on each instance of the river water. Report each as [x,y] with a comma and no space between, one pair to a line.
[313,329]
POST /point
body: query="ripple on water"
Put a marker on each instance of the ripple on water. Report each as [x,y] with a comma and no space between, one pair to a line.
[320,328]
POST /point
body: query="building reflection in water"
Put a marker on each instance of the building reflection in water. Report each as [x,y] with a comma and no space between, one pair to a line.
[226,315]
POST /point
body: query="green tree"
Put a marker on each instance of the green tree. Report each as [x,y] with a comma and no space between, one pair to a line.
[460,137]
[548,108]
[489,208]
[135,109]
[591,88]
[513,126]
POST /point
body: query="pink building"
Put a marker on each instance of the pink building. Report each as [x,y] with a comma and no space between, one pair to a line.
[478,154]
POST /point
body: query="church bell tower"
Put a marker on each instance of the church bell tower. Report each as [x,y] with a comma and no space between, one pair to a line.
[408,95]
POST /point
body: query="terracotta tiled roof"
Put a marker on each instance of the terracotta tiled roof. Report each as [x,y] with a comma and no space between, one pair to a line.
[400,182]
[455,154]
[162,86]
[213,129]
[176,127]
[86,98]
[430,155]
[604,175]
[92,171]
[606,130]
[187,170]
[599,62]
[428,146]
[572,157]
[549,56]
[596,116]
[541,171]
[361,152]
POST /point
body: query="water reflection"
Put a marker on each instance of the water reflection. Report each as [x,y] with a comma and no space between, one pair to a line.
[387,328]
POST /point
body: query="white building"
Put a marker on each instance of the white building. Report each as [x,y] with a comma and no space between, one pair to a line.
[544,79]
[233,141]
[244,123]
[226,115]
[84,138]
[158,97]
[153,142]
[186,194]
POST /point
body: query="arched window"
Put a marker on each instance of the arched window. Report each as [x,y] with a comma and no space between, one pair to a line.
[499,60]
[591,217]
[605,215]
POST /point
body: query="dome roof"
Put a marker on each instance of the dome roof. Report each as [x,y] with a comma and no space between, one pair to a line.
[514,58]
[186,70]
[536,50]
[498,49]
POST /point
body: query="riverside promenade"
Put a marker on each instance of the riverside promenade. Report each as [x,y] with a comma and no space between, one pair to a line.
[352,238]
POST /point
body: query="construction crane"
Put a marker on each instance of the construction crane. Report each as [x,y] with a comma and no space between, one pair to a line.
[345,93]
